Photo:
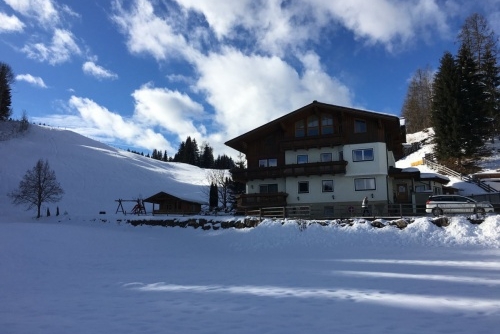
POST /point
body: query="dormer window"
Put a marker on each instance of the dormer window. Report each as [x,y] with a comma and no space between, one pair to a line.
[300,130]
[359,126]
[312,125]
[326,124]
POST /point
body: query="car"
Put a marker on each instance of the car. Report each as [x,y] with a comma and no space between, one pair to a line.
[440,204]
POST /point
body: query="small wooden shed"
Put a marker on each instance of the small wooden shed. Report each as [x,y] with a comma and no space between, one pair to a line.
[164,203]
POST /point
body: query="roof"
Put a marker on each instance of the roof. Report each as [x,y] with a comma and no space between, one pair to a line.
[162,196]
[236,142]
[413,172]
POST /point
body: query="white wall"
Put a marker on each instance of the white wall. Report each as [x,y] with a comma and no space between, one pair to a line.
[343,184]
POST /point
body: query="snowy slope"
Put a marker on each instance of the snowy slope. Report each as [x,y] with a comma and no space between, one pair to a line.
[84,273]
[487,163]
[93,175]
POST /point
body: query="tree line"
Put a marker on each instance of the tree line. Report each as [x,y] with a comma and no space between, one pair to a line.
[190,153]
[461,101]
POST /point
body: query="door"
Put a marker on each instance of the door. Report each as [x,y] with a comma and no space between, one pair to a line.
[402,193]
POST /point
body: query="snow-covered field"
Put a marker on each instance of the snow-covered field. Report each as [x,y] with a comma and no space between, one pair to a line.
[82,272]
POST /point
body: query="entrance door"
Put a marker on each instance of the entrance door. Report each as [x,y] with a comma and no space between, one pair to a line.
[402,192]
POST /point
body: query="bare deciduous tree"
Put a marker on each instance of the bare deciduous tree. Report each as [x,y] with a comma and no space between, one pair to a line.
[222,179]
[418,101]
[38,185]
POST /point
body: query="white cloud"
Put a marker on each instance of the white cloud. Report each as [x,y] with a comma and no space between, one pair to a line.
[36,81]
[264,89]
[388,22]
[92,69]
[62,47]
[149,33]
[10,23]
[108,124]
[44,11]
[171,110]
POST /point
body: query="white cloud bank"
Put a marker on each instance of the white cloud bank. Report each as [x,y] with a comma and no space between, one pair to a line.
[10,23]
[35,81]
[99,72]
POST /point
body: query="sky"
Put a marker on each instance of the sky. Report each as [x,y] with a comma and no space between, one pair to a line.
[146,74]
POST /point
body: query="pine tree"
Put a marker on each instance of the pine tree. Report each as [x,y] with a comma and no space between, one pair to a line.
[224,162]
[6,79]
[491,79]
[445,110]
[207,157]
[473,121]
[213,196]
[477,36]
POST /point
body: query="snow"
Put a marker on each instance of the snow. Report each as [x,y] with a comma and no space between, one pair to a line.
[82,272]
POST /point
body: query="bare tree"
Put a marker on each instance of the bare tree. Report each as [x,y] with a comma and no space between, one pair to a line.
[38,185]
[418,101]
[221,178]
[478,37]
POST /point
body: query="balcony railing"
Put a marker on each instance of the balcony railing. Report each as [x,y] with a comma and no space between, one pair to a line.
[315,168]
[247,201]
[311,142]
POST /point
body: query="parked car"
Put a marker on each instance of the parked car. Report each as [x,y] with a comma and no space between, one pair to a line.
[439,204]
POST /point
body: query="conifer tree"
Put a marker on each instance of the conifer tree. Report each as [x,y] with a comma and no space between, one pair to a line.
[477,36]
[214,196]
[207,157]
[473,122]
[6,79]
[445,110]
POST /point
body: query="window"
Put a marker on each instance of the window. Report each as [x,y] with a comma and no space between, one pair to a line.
[364,184]
[302,159]
[268,162]
[326,124]
[327,186]
[359,126]
[325,157]
[341,155]
[421,188]
[365,154]
[299,129]
[312,125]
[303,187]
[268,188]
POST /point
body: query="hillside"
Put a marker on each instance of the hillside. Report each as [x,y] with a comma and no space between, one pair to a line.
[487,164]
[78,274]
[93,175]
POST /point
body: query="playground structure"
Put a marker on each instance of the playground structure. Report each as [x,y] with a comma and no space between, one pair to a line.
[138,208]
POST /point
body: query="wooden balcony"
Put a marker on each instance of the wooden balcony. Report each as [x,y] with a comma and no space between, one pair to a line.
[311,142]
[248,201]
[315,168]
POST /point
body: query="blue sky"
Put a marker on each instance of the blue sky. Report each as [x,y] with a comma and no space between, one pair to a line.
[145,74]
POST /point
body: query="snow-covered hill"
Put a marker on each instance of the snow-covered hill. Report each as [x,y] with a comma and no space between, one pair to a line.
[487,164]
[79,274]
[93,175]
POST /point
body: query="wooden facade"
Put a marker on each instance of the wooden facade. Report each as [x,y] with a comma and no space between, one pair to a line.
[164,203]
